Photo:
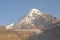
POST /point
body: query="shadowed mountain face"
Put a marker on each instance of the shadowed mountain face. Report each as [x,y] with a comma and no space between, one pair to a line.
[50,34]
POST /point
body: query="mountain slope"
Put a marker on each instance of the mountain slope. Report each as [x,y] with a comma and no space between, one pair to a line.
[50,34]
[7,35]
[14,35]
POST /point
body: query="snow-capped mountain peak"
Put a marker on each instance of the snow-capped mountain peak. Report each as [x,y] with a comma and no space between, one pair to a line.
[35,11]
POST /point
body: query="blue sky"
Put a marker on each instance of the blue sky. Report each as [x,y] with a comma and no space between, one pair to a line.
[11,10]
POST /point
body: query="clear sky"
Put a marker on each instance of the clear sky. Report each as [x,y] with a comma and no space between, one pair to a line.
[11,10]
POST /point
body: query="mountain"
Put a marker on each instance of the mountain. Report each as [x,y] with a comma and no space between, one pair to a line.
[35,19]
[35,25]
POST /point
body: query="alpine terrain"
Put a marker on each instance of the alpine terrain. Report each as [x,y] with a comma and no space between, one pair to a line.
[35,25]
[35,19]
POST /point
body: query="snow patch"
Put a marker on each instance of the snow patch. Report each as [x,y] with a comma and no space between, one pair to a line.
[36,11]
[9,26]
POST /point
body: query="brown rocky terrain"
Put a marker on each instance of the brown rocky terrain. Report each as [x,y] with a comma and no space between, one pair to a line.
[14,35]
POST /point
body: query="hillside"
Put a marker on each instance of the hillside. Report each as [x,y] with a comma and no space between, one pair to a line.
[14,35]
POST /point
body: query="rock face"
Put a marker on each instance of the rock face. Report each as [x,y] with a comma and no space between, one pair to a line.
[35,19]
